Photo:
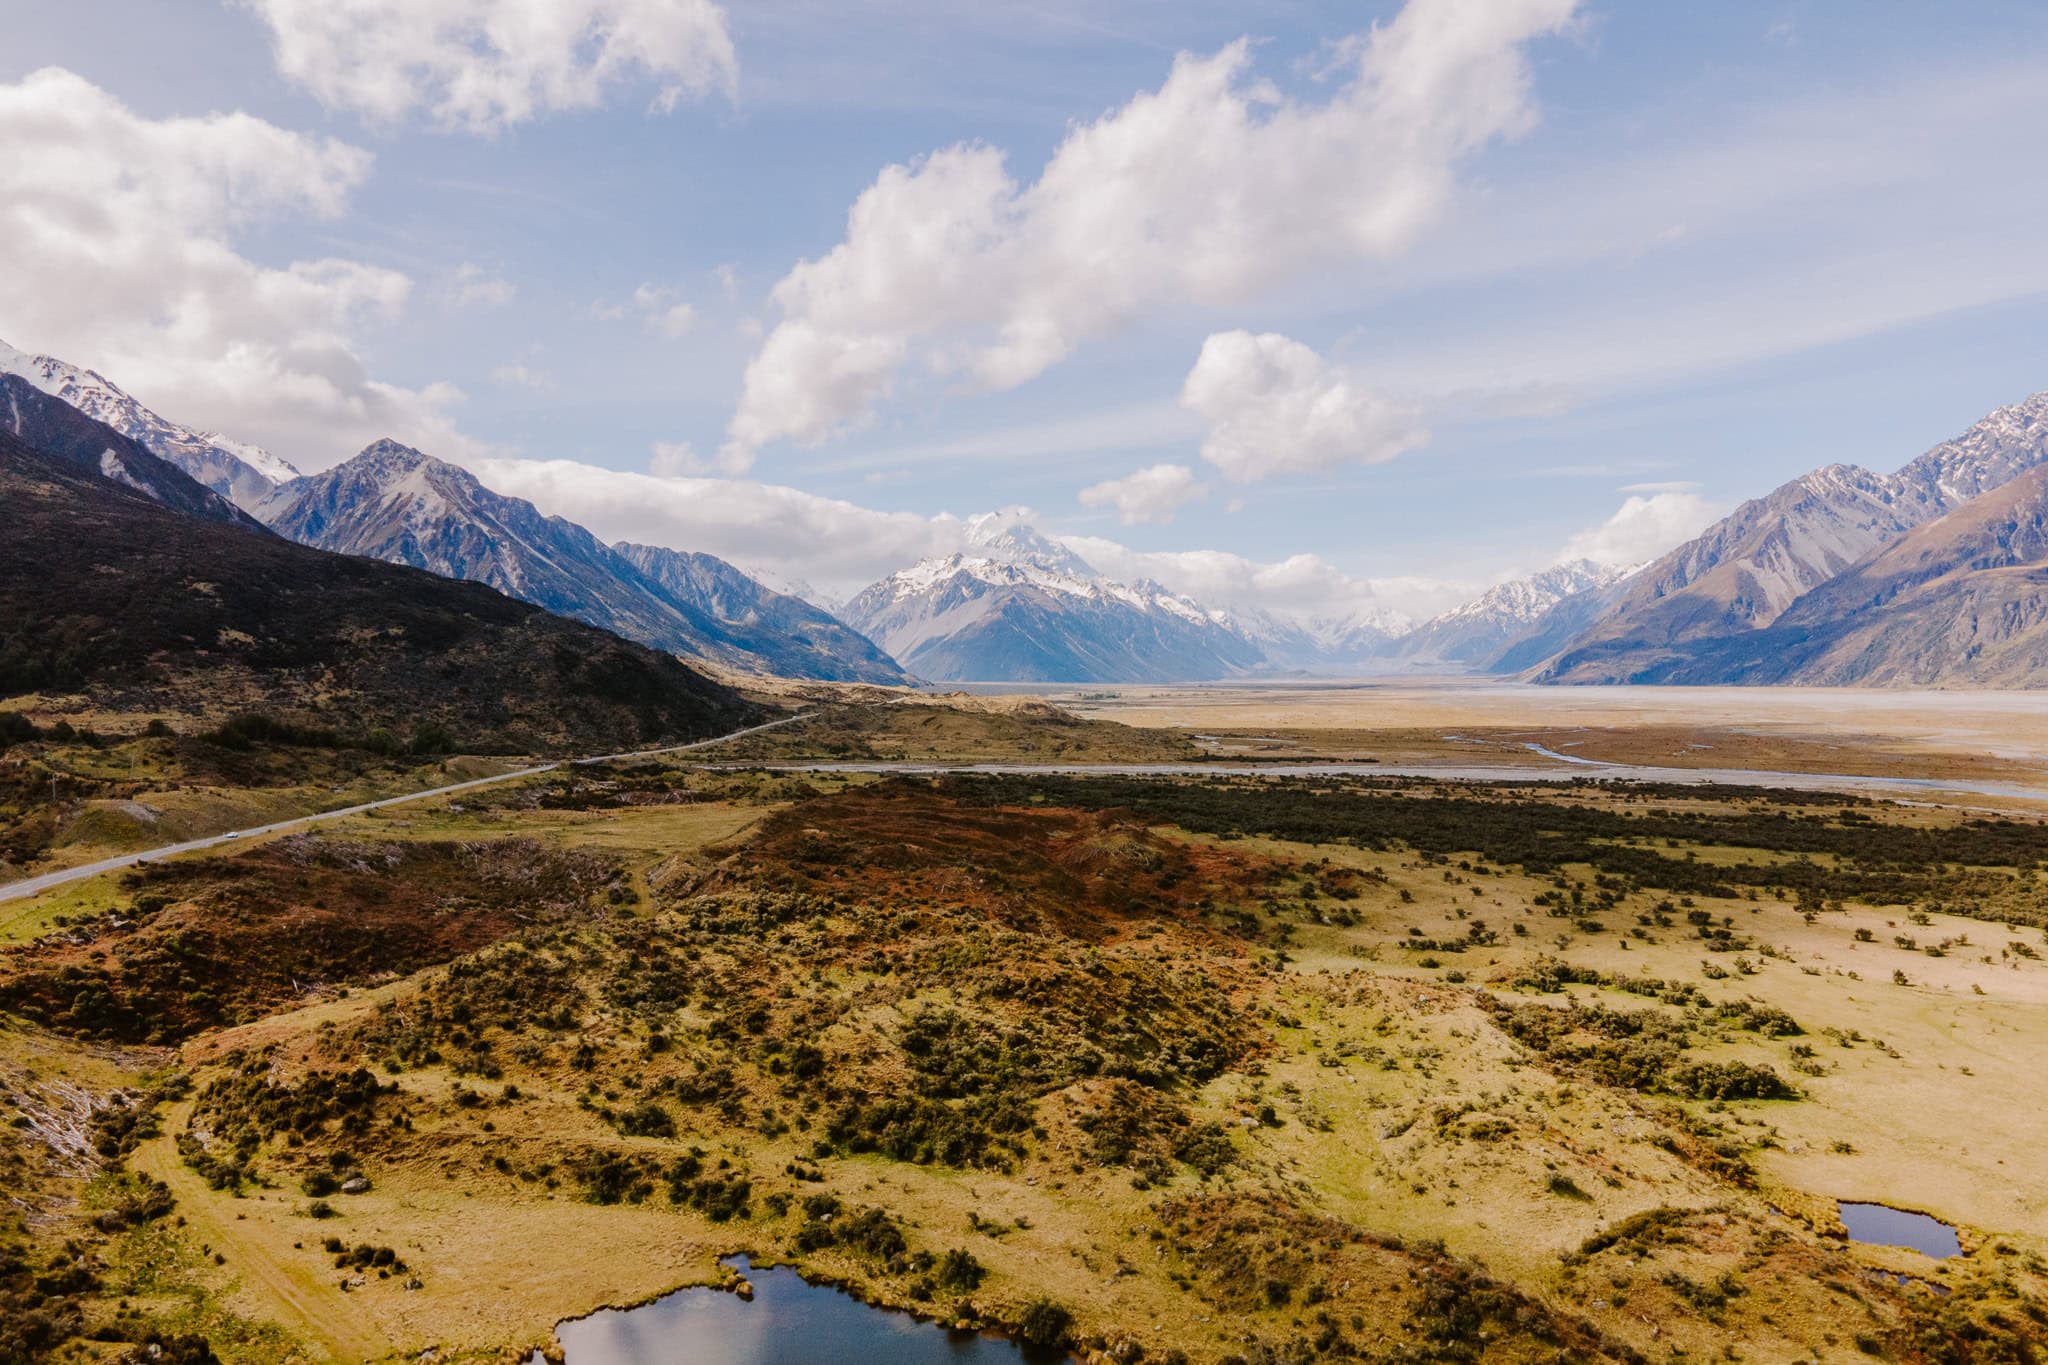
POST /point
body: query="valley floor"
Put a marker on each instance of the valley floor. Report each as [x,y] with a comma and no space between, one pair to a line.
[1203,1067]
[1997,737]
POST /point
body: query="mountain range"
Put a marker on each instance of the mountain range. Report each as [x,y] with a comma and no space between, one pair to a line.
[1763,562]
[61,432]
[396,504]
[1787,588]
[1473,635]
[393,503]
[123,580]
[1926,576]
[1017,607]
[242,473]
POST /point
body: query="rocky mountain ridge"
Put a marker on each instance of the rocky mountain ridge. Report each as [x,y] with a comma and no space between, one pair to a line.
[1746,570]
[243,473]
[394,503]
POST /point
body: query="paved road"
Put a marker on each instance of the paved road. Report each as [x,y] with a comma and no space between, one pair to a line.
[32,886]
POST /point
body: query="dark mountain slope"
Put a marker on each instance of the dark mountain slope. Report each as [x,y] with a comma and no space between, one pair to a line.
[63,432]
[105,591]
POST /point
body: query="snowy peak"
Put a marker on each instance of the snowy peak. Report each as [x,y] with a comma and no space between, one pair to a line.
[1017,607]
[1521,600]
[1014,542]
[1469,636]
[243,473]
[1352,643]
[51,427]
[2005,444]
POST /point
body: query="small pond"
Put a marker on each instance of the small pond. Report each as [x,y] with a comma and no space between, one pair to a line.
[1880,1225]
[789,1322]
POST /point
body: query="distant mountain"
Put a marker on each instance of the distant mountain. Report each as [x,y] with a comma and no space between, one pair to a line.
[1748,568]
[1352,644]
[1472,635]
[1566,620]
[787,634]
[393,503]
[110,590]
[1020,608]
[1960,601]
[59,431]
[242,473]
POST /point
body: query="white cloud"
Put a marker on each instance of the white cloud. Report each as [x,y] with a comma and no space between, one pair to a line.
[483,65]
[1205,190]
[117,232]
[1643,527]
[1304,586]
[1811,219]
[523,377]
[1273,406]
[675,459]
[837,545]
[662,312]
[1152,494]
[473,286]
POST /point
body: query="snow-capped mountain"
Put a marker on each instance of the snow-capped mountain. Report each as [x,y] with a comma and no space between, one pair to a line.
[393,503]
[1017,607]
[996,536]
[1355,643]
[1469,636]
[1556,628]
[56,430]
[801,589]
[243,473]
[1747,569]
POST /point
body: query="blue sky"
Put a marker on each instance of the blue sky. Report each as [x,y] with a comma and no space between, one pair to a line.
[1649,260]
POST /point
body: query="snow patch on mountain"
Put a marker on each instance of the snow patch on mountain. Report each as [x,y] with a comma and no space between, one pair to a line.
[1018,607]
[243,473]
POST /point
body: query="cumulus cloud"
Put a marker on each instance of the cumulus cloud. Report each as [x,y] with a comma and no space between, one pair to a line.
[118,235]
[1303,586]
[483,65]
[837,545]
[674,459]
[1152,494]
[661,311]
[473,286]
[1644,527]
[524,377]
[1205,190]
[1273,406]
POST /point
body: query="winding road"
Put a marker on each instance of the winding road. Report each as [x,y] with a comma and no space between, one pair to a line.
[34,886]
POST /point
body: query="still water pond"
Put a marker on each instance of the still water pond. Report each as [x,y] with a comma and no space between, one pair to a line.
[789,1322]
[1880,1225]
